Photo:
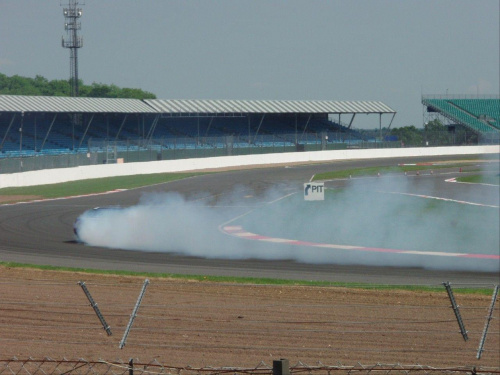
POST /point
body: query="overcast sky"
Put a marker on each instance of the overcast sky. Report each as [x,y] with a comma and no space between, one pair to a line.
[389,51]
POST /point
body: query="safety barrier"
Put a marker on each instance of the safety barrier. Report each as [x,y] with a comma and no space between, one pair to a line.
[50,176]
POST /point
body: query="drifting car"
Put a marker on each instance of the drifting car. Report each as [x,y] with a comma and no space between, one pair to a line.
[94,212]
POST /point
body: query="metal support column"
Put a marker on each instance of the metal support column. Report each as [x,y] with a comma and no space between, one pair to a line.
[34,120]
[258,128]
[487,324]
[134,314]
[305,127]
[21,132]
[380,126]
[209,126]
[121,126]
[96,309]
[352,119]
[7,131]
[152,128]
[456,310]
[392,119]
[48,132]
[86,130]
[249,131]
[296,130]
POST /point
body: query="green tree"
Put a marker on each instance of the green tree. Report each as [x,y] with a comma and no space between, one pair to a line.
[135,94]
[409,135]
[434,125]
[59,87]
[41,84]
[436,134]
[17,85]
[3,83]
[99,90]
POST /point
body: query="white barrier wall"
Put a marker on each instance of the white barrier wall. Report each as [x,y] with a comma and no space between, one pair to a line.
[52,176]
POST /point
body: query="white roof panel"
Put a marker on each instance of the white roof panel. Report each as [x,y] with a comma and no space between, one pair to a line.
[18,103]
[21,103]
[266,106]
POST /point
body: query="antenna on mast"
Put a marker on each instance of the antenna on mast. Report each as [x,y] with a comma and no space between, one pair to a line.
[73,41]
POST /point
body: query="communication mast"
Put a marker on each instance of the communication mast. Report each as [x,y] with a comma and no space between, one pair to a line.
[71,16]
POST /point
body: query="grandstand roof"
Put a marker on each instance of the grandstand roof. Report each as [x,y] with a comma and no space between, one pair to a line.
[20,103]
[267,106]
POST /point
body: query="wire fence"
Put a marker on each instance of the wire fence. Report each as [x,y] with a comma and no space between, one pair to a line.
[241,323]
[98,151]
[48,366]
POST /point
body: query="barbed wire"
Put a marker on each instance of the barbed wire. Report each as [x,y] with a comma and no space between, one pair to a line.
[380,322]
[51,319]
[300,350]
[48,366]
[242,330]
[180,305]
[168,282]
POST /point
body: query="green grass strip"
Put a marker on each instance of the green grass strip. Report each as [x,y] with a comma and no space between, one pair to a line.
[249,280]
[373,171]
[97,185]
[481,179]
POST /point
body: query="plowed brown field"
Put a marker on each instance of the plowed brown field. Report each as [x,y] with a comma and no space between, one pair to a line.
[180,323]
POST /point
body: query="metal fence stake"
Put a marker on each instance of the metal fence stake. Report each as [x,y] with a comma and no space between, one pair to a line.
[456,310]
[134,314]
[487,324]
[281,367]
[131,367]
[96,309]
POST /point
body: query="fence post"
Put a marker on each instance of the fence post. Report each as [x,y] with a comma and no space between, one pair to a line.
[131,366]
[488,319]
[96,309]
[134,314]
[281,367]
[456,310]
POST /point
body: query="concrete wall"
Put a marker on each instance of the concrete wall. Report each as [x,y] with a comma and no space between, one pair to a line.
[52,176]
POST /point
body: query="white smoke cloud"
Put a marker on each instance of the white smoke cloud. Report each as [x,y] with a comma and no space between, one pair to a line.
[369,213]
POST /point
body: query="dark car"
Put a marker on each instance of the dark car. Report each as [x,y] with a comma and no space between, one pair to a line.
[94,212]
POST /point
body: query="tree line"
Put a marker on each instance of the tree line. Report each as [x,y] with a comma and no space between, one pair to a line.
[433,133]
[41,86]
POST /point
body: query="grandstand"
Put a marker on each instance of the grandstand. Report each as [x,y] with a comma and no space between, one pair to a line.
[38,125]
[478,114]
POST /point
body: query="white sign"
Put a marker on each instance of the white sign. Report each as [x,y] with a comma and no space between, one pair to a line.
[314,191]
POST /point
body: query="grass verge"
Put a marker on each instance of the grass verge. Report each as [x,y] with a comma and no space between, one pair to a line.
[373,171]
[97,185]
[481,179]
[250,280]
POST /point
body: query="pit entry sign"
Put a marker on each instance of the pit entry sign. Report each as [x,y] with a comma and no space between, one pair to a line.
[314,191]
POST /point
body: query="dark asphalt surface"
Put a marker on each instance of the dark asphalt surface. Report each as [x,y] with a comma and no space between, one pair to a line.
[41,233]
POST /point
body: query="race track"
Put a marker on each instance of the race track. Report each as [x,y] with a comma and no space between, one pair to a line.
[41,232]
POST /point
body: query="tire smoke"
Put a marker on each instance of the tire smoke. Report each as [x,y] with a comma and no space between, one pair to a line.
[362,223]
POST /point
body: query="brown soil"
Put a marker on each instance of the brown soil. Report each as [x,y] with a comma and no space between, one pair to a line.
[181,323]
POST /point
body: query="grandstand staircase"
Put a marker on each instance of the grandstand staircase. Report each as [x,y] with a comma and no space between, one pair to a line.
[111,153]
